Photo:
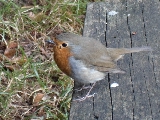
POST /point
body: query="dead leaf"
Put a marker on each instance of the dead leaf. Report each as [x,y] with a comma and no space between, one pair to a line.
[11,50]
[5,59]
[38,97]
[12,45]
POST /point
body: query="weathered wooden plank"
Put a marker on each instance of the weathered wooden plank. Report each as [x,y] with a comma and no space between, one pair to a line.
[95,22]
[118,36]
[95,26]
[141,103]
[151,16]
[137,96]
[101,111]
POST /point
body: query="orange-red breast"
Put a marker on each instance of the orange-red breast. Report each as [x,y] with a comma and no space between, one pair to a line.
[87,60]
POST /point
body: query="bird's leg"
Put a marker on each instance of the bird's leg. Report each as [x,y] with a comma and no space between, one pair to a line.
[87,95]
[82,88]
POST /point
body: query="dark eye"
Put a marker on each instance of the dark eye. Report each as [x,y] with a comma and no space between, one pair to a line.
[64,44]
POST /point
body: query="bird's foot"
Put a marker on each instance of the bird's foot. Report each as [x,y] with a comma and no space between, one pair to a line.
[88,94]
[84,98]
[83,88]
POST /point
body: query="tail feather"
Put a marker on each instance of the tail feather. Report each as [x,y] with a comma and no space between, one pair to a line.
[117,53]
[138,49]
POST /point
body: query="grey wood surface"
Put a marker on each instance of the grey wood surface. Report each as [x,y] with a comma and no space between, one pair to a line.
[137,97]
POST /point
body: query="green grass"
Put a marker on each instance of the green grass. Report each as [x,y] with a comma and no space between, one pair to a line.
[35,72]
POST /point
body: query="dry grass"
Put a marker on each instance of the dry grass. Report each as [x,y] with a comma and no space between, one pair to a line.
[31,85]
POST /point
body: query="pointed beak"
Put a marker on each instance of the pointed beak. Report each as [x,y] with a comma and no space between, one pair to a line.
[50,42]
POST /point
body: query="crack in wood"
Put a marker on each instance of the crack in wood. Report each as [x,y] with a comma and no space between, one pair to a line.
[110,94]
[131,65]
[148,93]
[145,32]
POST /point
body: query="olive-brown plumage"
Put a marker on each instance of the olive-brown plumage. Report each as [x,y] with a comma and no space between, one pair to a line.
[85,59]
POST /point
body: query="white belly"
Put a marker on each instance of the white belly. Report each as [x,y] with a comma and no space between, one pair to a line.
[83,74]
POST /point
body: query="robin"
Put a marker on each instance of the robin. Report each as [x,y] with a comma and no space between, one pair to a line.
[87,60]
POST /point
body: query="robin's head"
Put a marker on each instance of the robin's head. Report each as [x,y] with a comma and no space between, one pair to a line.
[61,54]
[58,44]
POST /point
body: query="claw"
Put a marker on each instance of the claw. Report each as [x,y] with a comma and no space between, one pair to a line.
[87,95]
